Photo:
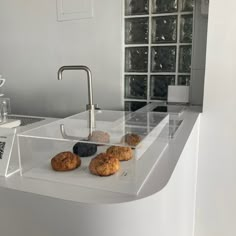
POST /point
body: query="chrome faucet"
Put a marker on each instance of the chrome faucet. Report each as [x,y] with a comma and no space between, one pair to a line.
[90,106]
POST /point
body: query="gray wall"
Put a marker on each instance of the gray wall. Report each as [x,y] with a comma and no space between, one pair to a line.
[33,45]
[199,55]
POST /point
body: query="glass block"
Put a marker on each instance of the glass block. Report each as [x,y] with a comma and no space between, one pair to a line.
[164,6]
[136,59]
[136,86]
[163,59]
[187,5]
[185,54]
[164,29]
[136,7]
[186,28]
[133,106]
[159,86]
[136,31]
[184,80]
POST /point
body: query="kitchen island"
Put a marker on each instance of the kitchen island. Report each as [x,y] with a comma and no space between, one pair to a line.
[164,206]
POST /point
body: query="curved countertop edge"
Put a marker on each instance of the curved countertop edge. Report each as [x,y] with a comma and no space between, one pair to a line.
[158,179]
[171,155]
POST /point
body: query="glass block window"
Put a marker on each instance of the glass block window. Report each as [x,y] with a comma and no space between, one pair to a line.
[158,48]
[136,86]
[185,54]
[164,29]
[136,31]
[187,5]
[163,59]
[159,86]
[186,28]
[136,7]
[183,79]
[164,6]
[136,59]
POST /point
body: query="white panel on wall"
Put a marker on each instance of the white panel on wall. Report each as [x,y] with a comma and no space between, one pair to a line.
[74,9]
[178,93]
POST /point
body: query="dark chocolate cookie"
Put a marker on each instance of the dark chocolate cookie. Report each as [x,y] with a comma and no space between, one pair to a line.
[85,149]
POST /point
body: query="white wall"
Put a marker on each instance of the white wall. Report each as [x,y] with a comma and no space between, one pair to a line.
[216,195]
[33,45]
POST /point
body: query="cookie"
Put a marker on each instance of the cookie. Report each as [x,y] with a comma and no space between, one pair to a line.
[131,139]
[122,153]
[65,161]
[104,165]
[99,136]
[85,149]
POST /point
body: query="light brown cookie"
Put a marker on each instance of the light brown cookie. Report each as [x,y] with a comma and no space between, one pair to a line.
[131,139]
[65,161]
[122,153]
[104,165]
[99,136]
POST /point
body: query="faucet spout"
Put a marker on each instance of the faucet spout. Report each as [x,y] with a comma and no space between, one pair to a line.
[90,105]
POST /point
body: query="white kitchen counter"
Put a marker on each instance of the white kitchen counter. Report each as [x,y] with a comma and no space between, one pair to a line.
[167,198]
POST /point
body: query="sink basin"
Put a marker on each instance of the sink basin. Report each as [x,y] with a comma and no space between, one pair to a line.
[172,109]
